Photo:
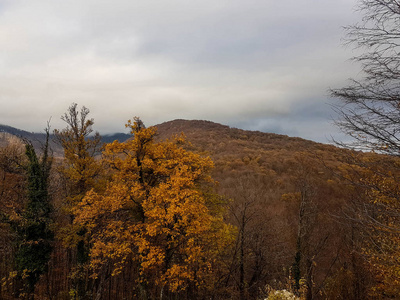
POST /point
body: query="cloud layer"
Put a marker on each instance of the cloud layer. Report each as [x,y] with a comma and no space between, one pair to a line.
[257,64]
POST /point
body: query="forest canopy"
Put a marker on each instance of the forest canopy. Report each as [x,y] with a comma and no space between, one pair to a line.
[219,212]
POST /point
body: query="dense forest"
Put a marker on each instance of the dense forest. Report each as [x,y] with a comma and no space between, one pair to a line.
[194,210]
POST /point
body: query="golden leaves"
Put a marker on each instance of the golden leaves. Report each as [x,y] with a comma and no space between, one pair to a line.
[154,212]
[377,180]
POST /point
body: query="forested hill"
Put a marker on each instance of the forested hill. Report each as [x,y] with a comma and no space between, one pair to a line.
[22,133]
[274,183]
[204,135]
[247,150]
[8,133]
[210,134]
[14,131]
[295,218]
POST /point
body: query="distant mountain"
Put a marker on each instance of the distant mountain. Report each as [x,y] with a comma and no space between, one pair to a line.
[221,142]
[109,138]
[22,133]
[38,139]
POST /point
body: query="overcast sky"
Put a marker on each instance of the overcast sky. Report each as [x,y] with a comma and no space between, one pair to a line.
[253,64]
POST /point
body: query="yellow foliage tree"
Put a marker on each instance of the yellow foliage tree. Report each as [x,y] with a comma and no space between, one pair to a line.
[81,172]
[80,168]
[377,180]
[80,148]
[155,211]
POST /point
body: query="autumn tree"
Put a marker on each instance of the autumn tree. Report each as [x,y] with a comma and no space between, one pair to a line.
[80,148]
[12,176]
[13,198]
[369,112]
[80,171]
[375,213]
[313,202]
[256,238]
[306,251]
[155,213]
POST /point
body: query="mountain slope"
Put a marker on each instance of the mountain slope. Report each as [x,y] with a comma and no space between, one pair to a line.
[268,178]
[253,148]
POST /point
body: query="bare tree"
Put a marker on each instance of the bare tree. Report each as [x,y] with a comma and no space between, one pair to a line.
[370,107]
[370,113]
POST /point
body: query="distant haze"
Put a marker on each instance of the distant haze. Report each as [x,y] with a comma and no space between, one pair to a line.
[258,64]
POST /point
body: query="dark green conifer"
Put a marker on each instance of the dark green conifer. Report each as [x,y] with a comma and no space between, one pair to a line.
[35,236]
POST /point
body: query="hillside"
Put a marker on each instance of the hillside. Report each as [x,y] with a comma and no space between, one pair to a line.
[242,149]
[207,132]
[270,179]
[15,131]
[216,138]
[37,139]
[7,138]
[282,196]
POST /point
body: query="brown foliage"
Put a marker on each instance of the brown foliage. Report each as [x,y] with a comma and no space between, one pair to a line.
[286,196]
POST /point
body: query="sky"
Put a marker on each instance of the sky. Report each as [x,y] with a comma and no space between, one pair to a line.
[262,65]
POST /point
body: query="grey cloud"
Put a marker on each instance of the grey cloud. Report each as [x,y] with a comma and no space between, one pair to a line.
[234,62]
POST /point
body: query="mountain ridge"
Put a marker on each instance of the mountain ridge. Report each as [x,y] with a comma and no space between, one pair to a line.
[205,136]
[174,126]
[38,138]
[215,133]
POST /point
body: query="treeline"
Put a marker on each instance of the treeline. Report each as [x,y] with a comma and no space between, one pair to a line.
[153,218]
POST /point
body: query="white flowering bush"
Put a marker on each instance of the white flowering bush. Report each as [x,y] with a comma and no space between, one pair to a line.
[281,295]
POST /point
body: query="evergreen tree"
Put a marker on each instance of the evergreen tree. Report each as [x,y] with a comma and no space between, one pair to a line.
[34,243]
